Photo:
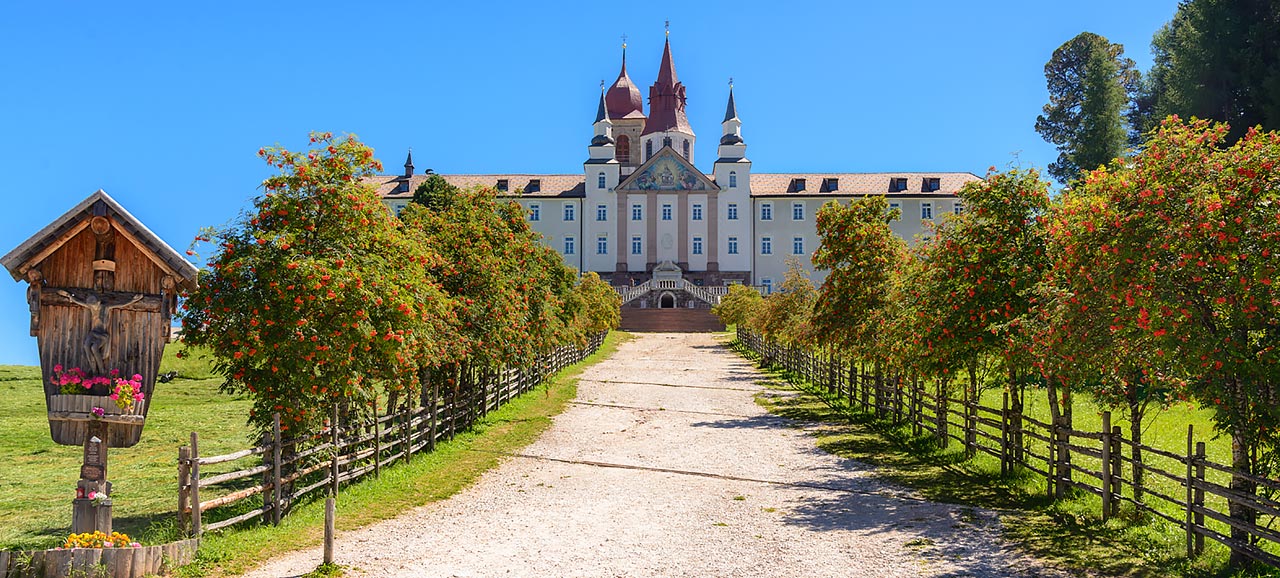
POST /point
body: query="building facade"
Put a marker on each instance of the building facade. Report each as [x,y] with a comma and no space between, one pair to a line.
[641,207]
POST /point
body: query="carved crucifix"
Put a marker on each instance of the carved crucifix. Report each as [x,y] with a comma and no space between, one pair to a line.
[97,342]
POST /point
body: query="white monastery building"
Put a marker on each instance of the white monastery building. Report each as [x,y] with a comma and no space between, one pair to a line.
[641,210]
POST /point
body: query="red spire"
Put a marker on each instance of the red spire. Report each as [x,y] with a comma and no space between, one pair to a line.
[666,99]
[623,98]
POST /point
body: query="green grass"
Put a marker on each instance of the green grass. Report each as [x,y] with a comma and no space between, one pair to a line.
[1068,533]
[38,479]
[452,467]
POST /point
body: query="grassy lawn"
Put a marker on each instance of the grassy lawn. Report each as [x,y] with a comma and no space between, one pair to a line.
[429,477]
[1068,533]
[38,479]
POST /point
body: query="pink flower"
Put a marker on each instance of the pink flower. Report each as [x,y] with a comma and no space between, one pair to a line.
[135,545]
[108,545]
[115,397]
[99,412]
[57,368]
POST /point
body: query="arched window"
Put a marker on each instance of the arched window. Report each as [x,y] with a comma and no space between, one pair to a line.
[733,179]
[686,148]
[666,141]
[623,151]
[648,149]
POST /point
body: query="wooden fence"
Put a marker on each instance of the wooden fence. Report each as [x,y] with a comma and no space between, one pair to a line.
[1183,487]
[285,471]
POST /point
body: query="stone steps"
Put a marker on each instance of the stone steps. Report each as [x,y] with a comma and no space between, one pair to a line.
[670,320]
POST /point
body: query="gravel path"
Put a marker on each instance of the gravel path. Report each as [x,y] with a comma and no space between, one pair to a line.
[665,466]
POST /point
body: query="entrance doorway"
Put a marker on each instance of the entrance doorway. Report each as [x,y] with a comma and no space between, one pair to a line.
[667,301]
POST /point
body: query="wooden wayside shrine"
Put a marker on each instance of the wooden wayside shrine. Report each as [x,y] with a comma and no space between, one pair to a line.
[102,289]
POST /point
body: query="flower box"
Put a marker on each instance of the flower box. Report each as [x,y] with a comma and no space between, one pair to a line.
[70,415]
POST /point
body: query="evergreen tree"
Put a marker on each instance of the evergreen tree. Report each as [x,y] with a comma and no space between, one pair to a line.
[1219,60]
[1089,82]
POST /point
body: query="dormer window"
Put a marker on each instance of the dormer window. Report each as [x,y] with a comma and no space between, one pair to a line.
[930,184]
[797,185]
[404,186]
[502,185]
[534,186]
[897,184]
[830,185]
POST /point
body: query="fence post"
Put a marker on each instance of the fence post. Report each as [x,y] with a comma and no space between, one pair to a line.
[1116,437]
[1190,483]
[333,431]
[377,441]
[407,426]
[196,530]
[1004,435]
[1199,496]
[276,483]
[184,489]
[435,410]
[1105,474]
[1052,461]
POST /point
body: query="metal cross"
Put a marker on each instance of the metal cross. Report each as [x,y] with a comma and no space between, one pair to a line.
[667,24]
[730,82]
[624,41]
[601,84]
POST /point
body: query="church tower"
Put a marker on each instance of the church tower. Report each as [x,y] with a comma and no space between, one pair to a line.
[626,110]
[732,172]
[667,124]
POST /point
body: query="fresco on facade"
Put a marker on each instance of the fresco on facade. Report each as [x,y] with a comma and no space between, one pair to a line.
[668,174]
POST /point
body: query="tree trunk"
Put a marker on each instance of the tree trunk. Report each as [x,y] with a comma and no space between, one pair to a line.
[1241,462]
[942,406]
[1017,391]
[970,412]
[1060,409]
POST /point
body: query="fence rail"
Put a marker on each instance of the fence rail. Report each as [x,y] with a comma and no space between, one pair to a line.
[1091,461]
[289,470]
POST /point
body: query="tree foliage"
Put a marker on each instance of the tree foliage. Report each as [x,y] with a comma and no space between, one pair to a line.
[1219,60]
[314,297]
[739,306]
[1090,84]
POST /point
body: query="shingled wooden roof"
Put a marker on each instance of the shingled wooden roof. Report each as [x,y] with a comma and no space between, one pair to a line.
[62,229]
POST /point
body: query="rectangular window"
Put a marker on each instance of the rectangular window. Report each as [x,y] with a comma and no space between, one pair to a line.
[930,184]
[696,212]
[602,212]
[897,184]
[766,246]
[637,213]
[569,212]
[830,185]
[568,245]
[896,207]
[535,212]
[600,181]
[733,212]
[502,185]
[926,211]
[766,212]
[733,179]
[766,285]
[636,245]
[797,211]
[797,245]
[602,245]
[733,245]
[959,208]
[666,212]
[697,245]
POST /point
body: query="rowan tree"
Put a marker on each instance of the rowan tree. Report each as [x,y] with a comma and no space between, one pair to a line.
[738,306]
[313,297]
[1194,232]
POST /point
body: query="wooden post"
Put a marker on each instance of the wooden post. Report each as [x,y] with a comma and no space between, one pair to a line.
[333,431]
[435,410]
[196,530]
[184,490]
[276,479]
[1199,496]
[1052,458]
[329,515]
[407,428]
[1190,483]
[377,441]
[1105,468]
[1004,435]
[1116,489]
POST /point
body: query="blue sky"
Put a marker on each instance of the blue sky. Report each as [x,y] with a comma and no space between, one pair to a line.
[164,105]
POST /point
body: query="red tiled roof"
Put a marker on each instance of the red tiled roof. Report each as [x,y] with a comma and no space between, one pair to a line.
[623,98]
[666,99]
[389,186]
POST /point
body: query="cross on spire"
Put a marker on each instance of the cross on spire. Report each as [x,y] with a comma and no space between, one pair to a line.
[624,41]
[730,82]
[667,24]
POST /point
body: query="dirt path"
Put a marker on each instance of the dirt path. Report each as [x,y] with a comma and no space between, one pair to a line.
[665,466]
